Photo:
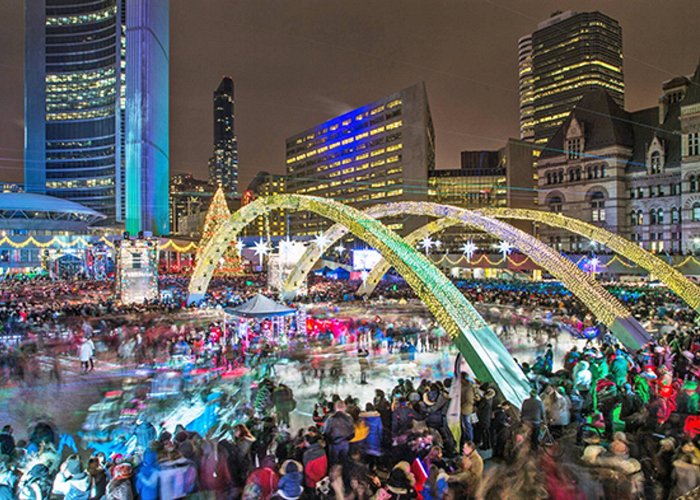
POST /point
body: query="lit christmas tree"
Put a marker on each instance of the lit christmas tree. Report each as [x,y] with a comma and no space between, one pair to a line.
[218,212]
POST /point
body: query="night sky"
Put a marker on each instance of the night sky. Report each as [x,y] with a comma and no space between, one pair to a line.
[298,63]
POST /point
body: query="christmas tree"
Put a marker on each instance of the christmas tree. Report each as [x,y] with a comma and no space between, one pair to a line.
[218,212]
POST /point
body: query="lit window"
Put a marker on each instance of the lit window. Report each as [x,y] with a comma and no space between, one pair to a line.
[573,147]
[555,204]
[598,207]
[696,211]
[694,144]
[655,163]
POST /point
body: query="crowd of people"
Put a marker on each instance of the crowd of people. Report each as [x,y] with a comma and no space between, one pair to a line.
[611,423]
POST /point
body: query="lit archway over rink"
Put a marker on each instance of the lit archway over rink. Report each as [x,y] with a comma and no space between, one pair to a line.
[601,303]
[682,286]
[482,349]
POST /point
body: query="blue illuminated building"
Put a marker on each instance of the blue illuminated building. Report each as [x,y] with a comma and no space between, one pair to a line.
[381,152]
[147,96]
[76,100]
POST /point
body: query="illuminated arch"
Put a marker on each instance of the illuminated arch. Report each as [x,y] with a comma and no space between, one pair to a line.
[681,286]
[688,291]
[482,349]
[602,304]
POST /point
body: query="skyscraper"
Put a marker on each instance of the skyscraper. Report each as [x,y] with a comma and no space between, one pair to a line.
[380,152]
[223,165]
[76,123]
[147,108]
[571,53]
[527,131]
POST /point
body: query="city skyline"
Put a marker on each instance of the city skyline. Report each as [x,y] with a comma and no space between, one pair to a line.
[306,70]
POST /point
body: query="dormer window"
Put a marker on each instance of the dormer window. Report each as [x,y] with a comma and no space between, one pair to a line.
[655,163]
[574,140]
[655,157]
[573,147]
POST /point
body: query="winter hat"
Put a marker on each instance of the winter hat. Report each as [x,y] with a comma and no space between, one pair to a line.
[74,467]
[620,436]
[398,482]
[430,397]
[122,471]
[668,444]
[591,453]
[290,466]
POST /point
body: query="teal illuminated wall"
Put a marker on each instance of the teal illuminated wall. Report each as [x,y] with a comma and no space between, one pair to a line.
[147,95]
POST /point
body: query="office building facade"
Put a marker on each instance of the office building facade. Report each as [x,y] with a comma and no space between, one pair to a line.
[486,179]
[223,165]
[568,55]
[276,223]
[527,123]
[188,196]
[380,152]
[636,174]
[76,117]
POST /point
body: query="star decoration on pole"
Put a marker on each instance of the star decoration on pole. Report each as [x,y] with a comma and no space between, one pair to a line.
[321,241]
[239,246]
[426,244]
[593,264]
[261,249]
[364,275]
[505,248]
[469,249]
[340,249]
[285,246]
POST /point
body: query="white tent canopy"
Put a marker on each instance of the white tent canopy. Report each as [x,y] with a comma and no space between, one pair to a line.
[260,307]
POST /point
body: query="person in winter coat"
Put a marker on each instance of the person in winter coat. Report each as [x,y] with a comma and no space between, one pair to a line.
[315,460]
[214,475]
[472,469]
[484,410]
[401,485]
[436,486]
[145,433]
[177,477]
[35,484]
[72,482]
[533,415]
[619,369]
[262,482]
[582,377]
[339,429]
[402,420]
[558,409]
[283,398]
[147,486]
[467,400]
[86,353]
[290,485]
[240,455]
[373,442]
[7,441]
[99,477]
[120,487]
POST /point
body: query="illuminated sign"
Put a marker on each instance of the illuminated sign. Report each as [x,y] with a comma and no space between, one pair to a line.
[365,259]
[137,270]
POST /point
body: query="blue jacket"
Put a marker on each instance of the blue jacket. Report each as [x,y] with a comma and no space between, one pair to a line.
[147,477]
[373,443]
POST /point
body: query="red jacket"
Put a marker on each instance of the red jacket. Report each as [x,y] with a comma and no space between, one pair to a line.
[266,479]
[315,465]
